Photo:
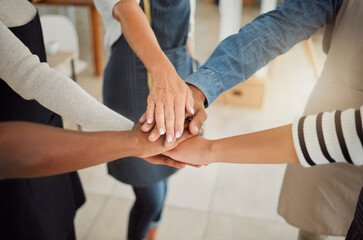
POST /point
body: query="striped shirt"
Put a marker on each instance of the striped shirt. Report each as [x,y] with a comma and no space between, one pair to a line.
[329,137]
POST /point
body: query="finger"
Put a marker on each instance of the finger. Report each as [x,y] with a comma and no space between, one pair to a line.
[179,117]
[143,118]
[150,111]
[164,160]
[146,127]
[195,126]
[154,135]
[193,165]
[170,155]
[189,104]
[159,117]
[169,122]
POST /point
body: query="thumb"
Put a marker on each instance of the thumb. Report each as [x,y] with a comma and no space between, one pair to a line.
[196,125]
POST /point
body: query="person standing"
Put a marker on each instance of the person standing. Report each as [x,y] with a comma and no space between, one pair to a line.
[35,208]
[339,87]
[135,51]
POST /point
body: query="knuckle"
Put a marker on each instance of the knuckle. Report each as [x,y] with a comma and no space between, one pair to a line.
[150,99]
[169,117]
[159,111]
[179,115]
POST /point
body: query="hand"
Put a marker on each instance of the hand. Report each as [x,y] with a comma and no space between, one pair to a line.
[196,123]
[200,116]
[167,103]
[195,151]
[151,151]
[145,148]
[165,160]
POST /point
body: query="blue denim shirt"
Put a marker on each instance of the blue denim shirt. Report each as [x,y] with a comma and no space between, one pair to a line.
[239,56]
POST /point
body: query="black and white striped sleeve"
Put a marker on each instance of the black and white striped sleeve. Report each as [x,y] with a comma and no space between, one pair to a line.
[329,137]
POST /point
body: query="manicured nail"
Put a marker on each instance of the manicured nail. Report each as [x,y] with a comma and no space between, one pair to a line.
[162,131]
[192,110]
[169,139]
[149,121]
[177,135]
[196,129]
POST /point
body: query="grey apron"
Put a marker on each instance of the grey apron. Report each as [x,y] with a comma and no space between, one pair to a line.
[322,199]
[125,87]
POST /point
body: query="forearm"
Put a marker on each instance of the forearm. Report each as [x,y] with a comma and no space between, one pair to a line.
[29,150]
[239,56]
[31,79]
[327,137]
[266,147]
[138,33]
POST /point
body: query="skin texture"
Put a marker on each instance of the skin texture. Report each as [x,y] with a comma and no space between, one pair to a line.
[196,124]
[169,96]
[34,150]
[270,146]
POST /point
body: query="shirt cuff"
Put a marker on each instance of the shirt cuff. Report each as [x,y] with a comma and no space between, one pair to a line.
[207,81]
[295,137]
[106,7]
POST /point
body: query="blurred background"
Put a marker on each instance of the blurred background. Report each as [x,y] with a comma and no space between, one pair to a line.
[220,201]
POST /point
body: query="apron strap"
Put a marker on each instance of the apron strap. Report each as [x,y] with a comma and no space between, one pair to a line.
[148,16]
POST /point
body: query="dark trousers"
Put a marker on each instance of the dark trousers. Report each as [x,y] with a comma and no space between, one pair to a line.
[147,209]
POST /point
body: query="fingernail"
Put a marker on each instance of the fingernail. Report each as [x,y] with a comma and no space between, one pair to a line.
[196,129]
[149,121]
[177,135]
[162,131]
[192,110]
[169,139]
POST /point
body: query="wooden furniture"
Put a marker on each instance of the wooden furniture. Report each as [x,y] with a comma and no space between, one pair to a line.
[247,94]
[55,60]
[96,29]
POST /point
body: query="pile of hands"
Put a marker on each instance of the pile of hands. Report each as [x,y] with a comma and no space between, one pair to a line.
[168,133]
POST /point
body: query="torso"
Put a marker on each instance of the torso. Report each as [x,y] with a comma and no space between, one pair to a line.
[322,199]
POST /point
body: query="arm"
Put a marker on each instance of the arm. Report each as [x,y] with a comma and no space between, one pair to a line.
[312,140]
[269,35]
[31,79]
[33,150]
[168,91]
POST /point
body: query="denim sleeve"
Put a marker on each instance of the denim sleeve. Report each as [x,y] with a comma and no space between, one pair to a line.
[239,56]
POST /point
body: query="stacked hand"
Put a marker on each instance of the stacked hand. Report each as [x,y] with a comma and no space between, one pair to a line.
[192,122]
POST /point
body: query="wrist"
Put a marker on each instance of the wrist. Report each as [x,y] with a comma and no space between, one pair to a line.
[160,66]
[210,154]
[197,93]
[133,141]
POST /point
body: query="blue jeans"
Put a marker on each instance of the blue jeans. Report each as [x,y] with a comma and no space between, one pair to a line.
[146,212]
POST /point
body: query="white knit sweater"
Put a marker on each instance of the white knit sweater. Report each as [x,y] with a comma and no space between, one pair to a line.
[31,79]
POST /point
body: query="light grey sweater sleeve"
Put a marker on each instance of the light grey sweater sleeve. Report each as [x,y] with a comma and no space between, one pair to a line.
[329,137]
[31,79]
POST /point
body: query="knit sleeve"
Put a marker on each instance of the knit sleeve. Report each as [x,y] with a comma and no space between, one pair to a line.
[329,137]
[31,79]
